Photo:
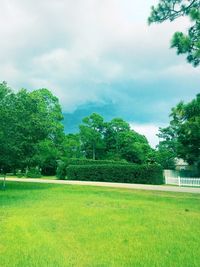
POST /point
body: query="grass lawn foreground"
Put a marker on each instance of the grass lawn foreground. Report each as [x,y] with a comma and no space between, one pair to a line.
[63,225]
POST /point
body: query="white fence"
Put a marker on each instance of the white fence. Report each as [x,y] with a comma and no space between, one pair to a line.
[180,181]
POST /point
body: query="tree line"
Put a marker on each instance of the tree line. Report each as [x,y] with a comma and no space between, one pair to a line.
[32,135]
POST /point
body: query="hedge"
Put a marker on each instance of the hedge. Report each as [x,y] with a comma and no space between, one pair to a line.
[130,173]
[93,162]
[61,172]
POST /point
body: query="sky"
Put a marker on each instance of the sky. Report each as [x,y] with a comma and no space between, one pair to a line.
[97,56]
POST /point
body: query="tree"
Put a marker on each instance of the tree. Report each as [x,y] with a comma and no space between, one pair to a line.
[112,140]
[46,157]
[27,120]
[49,113]
[164,156]
[6,130]
[72,146]
[184,43]
[124,143]
[38,117]
[113,130]
[182,136]
[91,134]
[134,147]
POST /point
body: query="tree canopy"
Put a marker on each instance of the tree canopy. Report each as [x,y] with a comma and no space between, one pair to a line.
[182,136]
[113,140]
[32,134]
[91,133]
[189,43]
[31,126]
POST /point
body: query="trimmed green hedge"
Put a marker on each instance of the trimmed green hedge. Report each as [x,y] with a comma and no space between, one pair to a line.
[93,162]
[61,172]
[129,173]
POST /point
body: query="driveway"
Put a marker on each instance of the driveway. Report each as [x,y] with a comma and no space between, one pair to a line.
[114,185]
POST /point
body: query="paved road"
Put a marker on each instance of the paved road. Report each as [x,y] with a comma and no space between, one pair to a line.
[115,185]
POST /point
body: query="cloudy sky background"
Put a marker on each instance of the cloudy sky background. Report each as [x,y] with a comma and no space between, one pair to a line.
[97,56]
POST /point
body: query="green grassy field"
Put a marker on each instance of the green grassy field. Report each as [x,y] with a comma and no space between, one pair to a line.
[54,225]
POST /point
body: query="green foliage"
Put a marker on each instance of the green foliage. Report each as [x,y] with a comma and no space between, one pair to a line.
[91,134]
[72,146]
[64,163]
[165,157]
[124,143]
[33,173]
[32,134]
[61,170]
[185,43]
[128,173]
[182,136]
[133,147]
[47,155]
[188,173]
[20,174]
[113,140]
[31,128]
[92,162]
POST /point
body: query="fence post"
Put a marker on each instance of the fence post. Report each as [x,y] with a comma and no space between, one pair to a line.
[179,181]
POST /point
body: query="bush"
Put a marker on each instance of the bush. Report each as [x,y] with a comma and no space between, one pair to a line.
[34,173]
[11,174]
[93,162]
[129,173]
[49,167]
[20,174]
[188,173]
[61,171]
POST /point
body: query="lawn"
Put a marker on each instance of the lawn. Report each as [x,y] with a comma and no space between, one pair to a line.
[62,225]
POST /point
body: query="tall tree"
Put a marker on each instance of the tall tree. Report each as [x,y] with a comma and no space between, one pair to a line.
[134,147]
[114,129]
[184,43]
[7,149]
[91,134]
[165,156]
[27,120]
[182,136]
[124,143]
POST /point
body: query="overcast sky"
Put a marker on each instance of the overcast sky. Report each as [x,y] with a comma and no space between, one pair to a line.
[98,53]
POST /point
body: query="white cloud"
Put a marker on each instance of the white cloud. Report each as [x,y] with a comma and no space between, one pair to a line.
[81,49]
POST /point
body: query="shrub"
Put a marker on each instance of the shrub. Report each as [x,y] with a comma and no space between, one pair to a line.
[93,162]
[188,173]
[33,173]
[49,167]
[61,171]
[10,174]
[129,173]
[20,174]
